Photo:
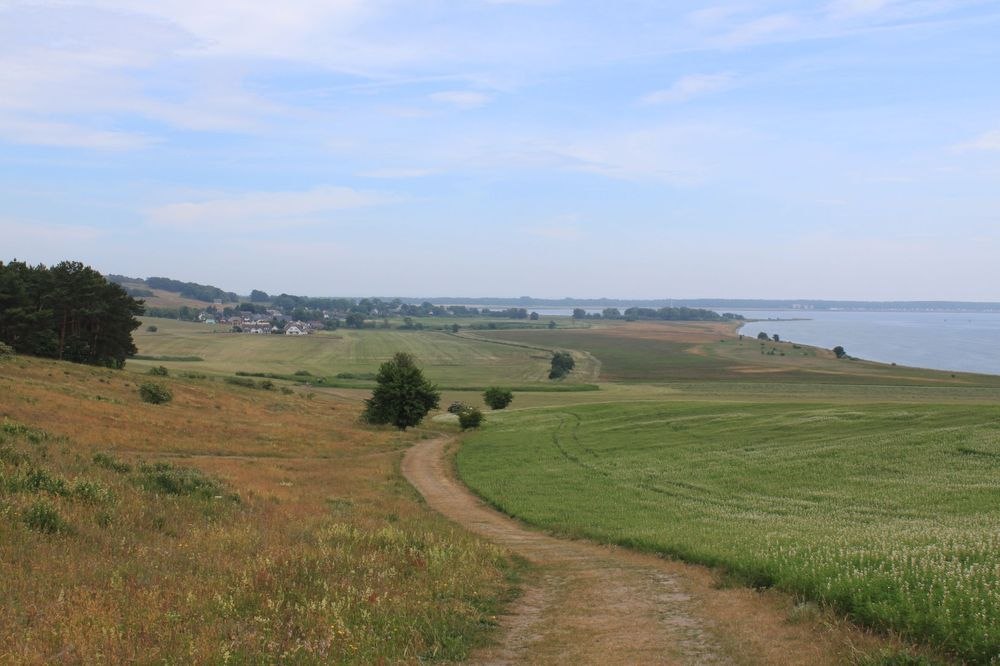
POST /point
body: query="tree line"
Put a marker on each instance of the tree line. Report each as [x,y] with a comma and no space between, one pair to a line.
[68,312]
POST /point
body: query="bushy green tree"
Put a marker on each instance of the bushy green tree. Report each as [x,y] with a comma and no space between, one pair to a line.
[497,398]
[839,351]
[562,364]
[403,396]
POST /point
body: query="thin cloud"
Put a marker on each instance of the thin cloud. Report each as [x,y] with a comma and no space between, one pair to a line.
[259,209]
[67,135]
[463,99]
[689,87]
[988,141]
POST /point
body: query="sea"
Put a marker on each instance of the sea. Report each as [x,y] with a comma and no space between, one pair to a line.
[958,341]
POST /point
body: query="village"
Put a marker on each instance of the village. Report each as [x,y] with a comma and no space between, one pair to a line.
[274,323]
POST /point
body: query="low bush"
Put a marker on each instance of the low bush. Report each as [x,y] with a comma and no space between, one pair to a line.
[165,478]
[159,371]
[6,351]
[497,398]
[456,407]
[156,394]
[41,516]
[107,462]
[470,418]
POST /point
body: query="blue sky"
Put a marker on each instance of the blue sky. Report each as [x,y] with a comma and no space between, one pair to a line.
[636,149]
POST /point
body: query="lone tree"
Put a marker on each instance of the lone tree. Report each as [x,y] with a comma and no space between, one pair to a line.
[403,397]
[562,363]
[497,398]
[839,351]
[762,336]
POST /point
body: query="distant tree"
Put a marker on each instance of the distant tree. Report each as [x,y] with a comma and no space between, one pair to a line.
[152,329]
[551,324]
[839,352]
[258,296]
[455,328]
[562,364]
[402,396]
[611,313]
[579,313]
[355,320]
[470,417]
[533,316]
[762,336]
[497,398]
[776,338]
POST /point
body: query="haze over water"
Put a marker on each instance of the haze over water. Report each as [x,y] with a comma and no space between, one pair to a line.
[967,342]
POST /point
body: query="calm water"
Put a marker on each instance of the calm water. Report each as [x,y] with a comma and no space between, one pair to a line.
[968,342]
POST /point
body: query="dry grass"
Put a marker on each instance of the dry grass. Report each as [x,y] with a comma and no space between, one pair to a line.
[310,549]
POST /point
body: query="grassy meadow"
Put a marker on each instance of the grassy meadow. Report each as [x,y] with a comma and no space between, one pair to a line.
[447,359]
[878,499]
[254,515]
[229,525]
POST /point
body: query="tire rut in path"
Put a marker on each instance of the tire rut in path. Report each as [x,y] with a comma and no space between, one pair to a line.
[589,604]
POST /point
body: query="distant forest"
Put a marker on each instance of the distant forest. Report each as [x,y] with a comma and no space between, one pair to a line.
[192,290]
[69,312]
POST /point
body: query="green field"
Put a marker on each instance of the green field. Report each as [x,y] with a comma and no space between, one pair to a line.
[658,353]
[890,513]
[871,488]
[450,360]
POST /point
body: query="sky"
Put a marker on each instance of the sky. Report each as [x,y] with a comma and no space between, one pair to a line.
[847,149]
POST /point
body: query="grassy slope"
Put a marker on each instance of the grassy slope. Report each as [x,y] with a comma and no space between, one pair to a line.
[881,499]
[327,555]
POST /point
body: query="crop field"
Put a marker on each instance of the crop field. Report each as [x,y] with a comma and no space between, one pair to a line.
[229,525]
[887,512]
[451,360]
[671,352]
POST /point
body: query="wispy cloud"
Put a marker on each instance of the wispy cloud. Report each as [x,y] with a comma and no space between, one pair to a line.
[463,99]
[841,9]
[263,209]
[397,172]
[68,135]
[761,30]
[689,87]
[988,141]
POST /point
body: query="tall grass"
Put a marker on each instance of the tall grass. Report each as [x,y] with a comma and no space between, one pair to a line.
[236,526]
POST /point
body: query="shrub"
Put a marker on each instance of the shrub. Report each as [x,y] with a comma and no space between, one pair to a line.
[497,398]
[41,516]
[167,479]
[6,352]
[839,352]
[159,371]
[456,407]
[470,418]
[152,329]
[107,462]
[562,364]
[156,394]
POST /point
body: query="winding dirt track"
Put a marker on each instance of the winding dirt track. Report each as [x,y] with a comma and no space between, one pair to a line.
[590,604]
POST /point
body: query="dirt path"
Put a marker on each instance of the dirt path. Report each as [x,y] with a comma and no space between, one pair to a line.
[593,604]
